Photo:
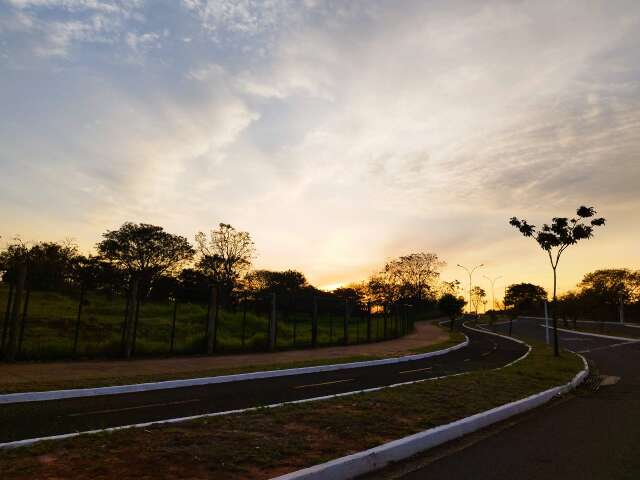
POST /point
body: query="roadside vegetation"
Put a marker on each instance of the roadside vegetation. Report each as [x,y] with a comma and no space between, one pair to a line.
[268,442]
[145,291]
[454,338]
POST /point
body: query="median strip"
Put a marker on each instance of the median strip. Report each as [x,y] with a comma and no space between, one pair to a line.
[266,442]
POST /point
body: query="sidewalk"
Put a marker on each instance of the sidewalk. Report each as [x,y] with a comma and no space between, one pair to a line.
[38,376]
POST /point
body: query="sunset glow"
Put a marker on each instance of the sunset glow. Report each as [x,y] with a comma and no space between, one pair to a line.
[339,134]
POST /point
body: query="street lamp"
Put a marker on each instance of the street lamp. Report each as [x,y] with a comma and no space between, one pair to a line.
[470,273]
[493,282]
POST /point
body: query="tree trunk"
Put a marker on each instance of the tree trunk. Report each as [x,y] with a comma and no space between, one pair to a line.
[556,350]
[14,324]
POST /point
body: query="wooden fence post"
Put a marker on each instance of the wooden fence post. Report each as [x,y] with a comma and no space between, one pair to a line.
[368,321]
[345,325]
[15,312]
[314,323]
[131,318]
[7,315]
[78,319]
[273,323]
[173,324]
[211,319]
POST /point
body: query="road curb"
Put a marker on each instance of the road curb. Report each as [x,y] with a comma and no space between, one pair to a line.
[375,458]
[22,397]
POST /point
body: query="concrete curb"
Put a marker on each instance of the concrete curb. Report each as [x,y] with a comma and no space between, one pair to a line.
[31,441]
[626,324]
[22,397]
[597,335]
[373,459]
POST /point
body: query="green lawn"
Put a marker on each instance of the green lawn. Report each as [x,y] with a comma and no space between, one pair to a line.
[51,319]
[268,442]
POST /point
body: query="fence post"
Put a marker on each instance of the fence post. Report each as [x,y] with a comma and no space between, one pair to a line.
[244,318]
[314,323]
[7,314]
[211,319]
[131,318]
[368,321]
[135,326]
[15,312]
[386,315]
[345,325]
[78,318]
[272,323]
[23,324]
[124,321]
[621,310]
[217,319]
[173,324]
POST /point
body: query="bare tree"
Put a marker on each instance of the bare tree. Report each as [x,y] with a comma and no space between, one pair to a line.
[225,255]
[555,239]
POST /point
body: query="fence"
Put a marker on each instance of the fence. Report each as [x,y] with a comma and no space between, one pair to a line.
[89,324]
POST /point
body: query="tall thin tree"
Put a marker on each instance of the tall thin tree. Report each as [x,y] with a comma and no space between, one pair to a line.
[554,239]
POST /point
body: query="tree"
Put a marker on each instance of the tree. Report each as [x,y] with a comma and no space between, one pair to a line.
[451,306]
[554,239]
[478,296]
[415,275]
[224,256]
[13,261]
[609,287]
[524,297]
[144,252]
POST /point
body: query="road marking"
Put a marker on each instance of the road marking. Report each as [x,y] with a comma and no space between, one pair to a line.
[138,407]
[467,360]
[416,370]
[324,383]
[486,353]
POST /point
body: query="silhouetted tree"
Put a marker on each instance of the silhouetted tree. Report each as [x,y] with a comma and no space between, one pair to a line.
[414,275]
[451,306]
[224,256]
[477,297]
[144,252]
[524,297]
[555,239]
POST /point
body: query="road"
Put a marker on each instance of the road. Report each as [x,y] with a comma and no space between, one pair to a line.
[590,435]
[38,419]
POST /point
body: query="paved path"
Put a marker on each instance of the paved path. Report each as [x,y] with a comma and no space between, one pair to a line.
[17,374]
[589,436]
[36,419]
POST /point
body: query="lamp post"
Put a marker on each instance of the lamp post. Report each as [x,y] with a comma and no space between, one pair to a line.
[493,295]
[470,273]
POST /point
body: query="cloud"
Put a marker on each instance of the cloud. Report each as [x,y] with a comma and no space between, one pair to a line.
[338,133]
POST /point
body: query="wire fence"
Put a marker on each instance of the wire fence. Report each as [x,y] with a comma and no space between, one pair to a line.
[90,324]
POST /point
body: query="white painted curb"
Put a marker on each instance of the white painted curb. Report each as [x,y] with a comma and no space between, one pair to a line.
[31,441]
[373,459]
[597,335]
[189,382]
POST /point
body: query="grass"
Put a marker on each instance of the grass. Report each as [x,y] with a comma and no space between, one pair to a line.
[51,319]
[268,442]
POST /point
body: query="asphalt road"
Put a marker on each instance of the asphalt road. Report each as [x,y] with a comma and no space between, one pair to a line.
[37,419]
[590,435]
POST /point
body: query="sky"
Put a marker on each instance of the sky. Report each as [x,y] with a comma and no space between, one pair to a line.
[340,134]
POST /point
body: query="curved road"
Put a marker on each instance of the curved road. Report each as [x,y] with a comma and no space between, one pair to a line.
[586,436]
[55,417]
